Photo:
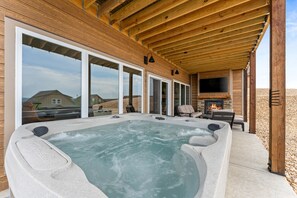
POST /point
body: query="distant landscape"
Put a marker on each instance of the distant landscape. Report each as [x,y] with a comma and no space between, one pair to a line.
[262,129]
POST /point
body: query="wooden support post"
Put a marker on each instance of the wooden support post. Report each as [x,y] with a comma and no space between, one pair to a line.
[252,120]
[245,95]
[277,98]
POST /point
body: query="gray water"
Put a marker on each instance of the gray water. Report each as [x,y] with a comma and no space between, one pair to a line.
[134,158]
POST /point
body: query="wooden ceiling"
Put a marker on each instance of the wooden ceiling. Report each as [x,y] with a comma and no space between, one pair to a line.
[197,35]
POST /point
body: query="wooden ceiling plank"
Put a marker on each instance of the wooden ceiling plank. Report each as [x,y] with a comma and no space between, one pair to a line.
[209,42]
[169,15]
[214,51]
[129,9]
[201,16]
[237,28]
[150,12]
[107,6]
[216,47]
[189,31]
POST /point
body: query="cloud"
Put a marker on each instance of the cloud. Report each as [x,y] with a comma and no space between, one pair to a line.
[36,78]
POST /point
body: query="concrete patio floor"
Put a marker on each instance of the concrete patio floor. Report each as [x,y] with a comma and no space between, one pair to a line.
[248,176]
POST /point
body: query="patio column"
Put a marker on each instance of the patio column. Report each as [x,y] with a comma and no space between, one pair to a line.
[252,119]
[277,95]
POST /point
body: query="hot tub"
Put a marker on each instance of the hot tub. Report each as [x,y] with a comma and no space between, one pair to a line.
[35,167]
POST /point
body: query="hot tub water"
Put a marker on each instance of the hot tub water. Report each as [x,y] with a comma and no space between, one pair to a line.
[134,158]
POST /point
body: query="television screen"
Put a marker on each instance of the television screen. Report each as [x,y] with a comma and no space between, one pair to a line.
[213,85]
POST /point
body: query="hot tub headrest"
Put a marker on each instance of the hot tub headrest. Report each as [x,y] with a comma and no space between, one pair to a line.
[213,127]
[40,131]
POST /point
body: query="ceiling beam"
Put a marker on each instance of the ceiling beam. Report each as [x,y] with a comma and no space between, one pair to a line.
[211,41]
[192,65]
[129,9]
[217,8]
[107,6]
[208,38]
[169,15]
[247,47]
[202,34]
[150,12]
[215,57]
[239,50]
[202,49]
[190,29]
[88,3]
[218,67]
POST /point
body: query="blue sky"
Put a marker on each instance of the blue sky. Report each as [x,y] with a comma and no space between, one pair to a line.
[291,55]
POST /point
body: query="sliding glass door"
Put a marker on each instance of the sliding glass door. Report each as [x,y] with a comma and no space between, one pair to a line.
[159,96]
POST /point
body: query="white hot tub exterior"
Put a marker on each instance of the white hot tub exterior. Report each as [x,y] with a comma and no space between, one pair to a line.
[36,168]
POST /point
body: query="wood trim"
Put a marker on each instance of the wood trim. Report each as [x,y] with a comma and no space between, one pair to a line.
[245,96]
[277,113]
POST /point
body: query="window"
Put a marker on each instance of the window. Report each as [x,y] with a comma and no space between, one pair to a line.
[58,81]
[56,101]
[104,87]
[132,88]
[51,73]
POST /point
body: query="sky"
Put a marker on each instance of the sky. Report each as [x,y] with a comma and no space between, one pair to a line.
[262,56]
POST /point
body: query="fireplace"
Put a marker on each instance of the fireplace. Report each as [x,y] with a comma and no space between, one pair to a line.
[213,104]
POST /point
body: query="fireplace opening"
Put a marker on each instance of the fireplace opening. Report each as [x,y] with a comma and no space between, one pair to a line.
[210,105]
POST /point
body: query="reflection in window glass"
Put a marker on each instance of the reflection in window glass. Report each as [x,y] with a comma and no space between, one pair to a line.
[132,87]
[51,81]
[155,98]
[176,97]
[187,95]
[103,86]
[164,98]
[183,95]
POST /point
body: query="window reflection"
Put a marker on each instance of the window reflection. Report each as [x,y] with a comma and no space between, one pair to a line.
[155,95]
[51,81]
[187,95]
[103,87]
[132,87]
[176,96]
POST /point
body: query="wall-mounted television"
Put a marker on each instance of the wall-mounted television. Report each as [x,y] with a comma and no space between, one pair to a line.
[213,85]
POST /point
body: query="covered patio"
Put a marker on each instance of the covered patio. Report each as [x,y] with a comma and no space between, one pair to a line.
[189,41]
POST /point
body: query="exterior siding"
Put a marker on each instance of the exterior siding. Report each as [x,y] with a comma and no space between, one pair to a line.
[65,20]
[3,180]
[238,91]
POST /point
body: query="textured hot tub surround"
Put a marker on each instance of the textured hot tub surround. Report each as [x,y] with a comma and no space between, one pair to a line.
[36,168]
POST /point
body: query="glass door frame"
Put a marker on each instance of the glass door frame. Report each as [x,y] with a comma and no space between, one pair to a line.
[168,92]
[185,95]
